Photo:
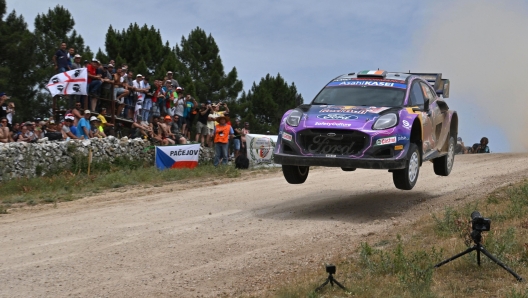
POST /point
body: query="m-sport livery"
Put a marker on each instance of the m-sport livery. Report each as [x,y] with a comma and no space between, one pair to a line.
[371,120]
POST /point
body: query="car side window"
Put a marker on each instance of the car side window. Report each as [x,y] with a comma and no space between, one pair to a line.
[428,92]
[417,96]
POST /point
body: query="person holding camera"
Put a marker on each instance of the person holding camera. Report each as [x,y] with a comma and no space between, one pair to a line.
[482,147]
[202,131]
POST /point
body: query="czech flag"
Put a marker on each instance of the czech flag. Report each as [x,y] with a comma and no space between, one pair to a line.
[177,157]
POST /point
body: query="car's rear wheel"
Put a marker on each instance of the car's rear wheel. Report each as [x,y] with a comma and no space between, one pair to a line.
[443,165]
[295,174]
[406,178]
[348,169]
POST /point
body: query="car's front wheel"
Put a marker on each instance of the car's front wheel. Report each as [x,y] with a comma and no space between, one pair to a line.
[443,165]
[295,174]
[406,178]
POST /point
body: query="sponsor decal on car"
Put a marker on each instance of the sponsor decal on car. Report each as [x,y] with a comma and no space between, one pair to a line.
[386,141]
[333,124]
[352,109]
[336,117]
[330,155]
[406,124]
[402,138]
[367,83]
[287,136]
[323,145]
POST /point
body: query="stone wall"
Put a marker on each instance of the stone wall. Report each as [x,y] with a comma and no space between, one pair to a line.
[30,159]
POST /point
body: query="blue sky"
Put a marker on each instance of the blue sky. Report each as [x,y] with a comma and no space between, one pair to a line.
[311,42]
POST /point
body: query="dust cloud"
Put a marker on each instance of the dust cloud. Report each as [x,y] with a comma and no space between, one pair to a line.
[482,47]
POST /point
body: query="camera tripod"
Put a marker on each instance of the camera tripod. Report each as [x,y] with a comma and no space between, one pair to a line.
[477,238]
[331,270]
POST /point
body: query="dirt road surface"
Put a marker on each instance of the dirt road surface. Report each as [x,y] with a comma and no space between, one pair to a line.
[223,237]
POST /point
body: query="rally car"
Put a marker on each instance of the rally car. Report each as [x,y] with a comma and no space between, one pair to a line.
[372,120]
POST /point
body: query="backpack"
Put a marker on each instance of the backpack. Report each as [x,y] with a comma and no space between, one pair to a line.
[241,162]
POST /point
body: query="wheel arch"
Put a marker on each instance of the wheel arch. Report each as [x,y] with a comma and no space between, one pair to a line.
[417,136]
[453,126]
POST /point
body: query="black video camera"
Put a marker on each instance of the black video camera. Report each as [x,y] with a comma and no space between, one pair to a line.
[479,223]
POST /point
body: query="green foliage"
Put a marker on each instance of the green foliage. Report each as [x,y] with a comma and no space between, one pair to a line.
[451,223]
[264,105]
[413,269]
[201,64]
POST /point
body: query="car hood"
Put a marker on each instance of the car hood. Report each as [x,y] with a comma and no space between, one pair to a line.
[337,116]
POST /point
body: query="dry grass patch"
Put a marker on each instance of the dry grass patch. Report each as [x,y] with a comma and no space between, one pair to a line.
[403,266]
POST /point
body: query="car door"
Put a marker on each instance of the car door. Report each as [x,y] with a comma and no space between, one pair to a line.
[418,99]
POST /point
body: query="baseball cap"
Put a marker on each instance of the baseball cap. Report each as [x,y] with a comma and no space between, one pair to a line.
[52,121]
[93,118]
[208,102]
[110,65]
[28,123]
[77,56]
[169,72]
[459,139]
[94,60]
[3,93]
[138,75]
[69,117]
[87,112]
[167,117]
[179,88]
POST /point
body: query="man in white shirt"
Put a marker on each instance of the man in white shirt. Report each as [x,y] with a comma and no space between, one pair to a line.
[141,88]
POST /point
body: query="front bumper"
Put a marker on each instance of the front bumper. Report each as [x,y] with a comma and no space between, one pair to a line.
[363,163]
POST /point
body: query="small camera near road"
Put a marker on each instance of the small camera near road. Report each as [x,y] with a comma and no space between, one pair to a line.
[330,269]
[479,223]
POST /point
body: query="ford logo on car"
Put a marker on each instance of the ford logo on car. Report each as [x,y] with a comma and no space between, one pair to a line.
[337,117]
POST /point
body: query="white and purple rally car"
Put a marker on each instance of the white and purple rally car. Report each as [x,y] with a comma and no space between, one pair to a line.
[371,120]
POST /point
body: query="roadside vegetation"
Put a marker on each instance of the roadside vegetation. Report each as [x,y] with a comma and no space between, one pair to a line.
[402,266]
[61,185]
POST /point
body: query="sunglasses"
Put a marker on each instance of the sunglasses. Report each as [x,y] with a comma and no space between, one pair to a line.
[4,121]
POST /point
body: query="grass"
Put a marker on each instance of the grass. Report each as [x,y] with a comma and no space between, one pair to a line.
[403,266]
[61,185]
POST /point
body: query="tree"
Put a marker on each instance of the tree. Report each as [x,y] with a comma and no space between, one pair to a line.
[201,64]
[136,44]
[264,105]
[17,61]
[51,29]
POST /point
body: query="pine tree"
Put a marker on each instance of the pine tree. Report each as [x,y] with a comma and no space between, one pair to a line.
[201,64]
[17,63]
[264,105]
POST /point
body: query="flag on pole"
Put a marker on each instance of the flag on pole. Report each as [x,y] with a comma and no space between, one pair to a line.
[72,82]
[177,157]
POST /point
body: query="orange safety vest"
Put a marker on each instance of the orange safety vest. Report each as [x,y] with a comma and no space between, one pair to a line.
[222,134]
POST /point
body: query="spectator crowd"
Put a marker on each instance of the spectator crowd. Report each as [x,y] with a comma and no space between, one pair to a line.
[159,109]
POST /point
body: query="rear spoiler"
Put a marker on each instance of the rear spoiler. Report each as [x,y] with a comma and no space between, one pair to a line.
[435,79]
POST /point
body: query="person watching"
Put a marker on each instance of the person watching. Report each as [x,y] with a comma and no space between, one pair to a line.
[482,147]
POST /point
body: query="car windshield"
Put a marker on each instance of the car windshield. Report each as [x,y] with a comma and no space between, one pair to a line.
[361,96]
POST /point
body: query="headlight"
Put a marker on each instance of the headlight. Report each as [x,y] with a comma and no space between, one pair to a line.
[294,118]
[386,121]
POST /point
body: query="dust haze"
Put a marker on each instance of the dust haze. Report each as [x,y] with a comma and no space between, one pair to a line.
[482,47]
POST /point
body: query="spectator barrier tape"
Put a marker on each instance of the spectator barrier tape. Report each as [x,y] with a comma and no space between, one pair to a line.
[73,82]
[177,157]
[260,149]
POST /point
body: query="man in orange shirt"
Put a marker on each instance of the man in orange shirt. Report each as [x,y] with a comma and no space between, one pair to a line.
[222,133]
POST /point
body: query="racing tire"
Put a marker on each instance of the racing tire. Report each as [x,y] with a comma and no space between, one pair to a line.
[443,165]
[406,178]
[348,169]
[295,174]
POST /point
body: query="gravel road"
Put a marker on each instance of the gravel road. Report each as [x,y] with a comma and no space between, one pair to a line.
[221,237]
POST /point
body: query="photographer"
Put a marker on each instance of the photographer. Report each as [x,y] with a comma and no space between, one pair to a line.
[481,147]
[201,125]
